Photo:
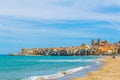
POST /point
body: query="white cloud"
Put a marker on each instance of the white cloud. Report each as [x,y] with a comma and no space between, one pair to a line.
[57,9]
[46,32]
[18,33]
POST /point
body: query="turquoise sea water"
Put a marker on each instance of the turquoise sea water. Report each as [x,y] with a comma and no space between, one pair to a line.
[23,67]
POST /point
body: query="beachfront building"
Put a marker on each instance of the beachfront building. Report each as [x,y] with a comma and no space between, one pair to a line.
[99,48]
[104,47]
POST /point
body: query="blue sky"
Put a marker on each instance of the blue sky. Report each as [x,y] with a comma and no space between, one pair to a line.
[56,23]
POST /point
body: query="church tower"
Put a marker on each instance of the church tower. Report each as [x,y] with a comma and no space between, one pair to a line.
[93,43]
[99,41]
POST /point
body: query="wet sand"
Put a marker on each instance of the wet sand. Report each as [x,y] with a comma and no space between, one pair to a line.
[109,71]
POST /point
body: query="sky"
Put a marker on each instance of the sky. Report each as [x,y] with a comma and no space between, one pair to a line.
[56,23]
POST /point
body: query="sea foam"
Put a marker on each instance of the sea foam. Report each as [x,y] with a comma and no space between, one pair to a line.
[76,60]
[57,75]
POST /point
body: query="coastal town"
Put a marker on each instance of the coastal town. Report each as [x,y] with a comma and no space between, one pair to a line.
[96,48]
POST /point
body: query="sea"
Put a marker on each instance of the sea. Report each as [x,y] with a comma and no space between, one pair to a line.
[47,67]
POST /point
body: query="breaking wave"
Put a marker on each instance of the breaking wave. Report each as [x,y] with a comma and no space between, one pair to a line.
[57,75]
[77,60]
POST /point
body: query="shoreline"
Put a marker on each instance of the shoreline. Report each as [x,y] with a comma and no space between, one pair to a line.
[59,75]
[71,73]
[109,71]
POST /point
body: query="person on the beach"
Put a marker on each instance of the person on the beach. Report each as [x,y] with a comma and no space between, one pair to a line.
[114,56]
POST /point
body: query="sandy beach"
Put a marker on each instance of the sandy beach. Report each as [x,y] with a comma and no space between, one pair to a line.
[109,71]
